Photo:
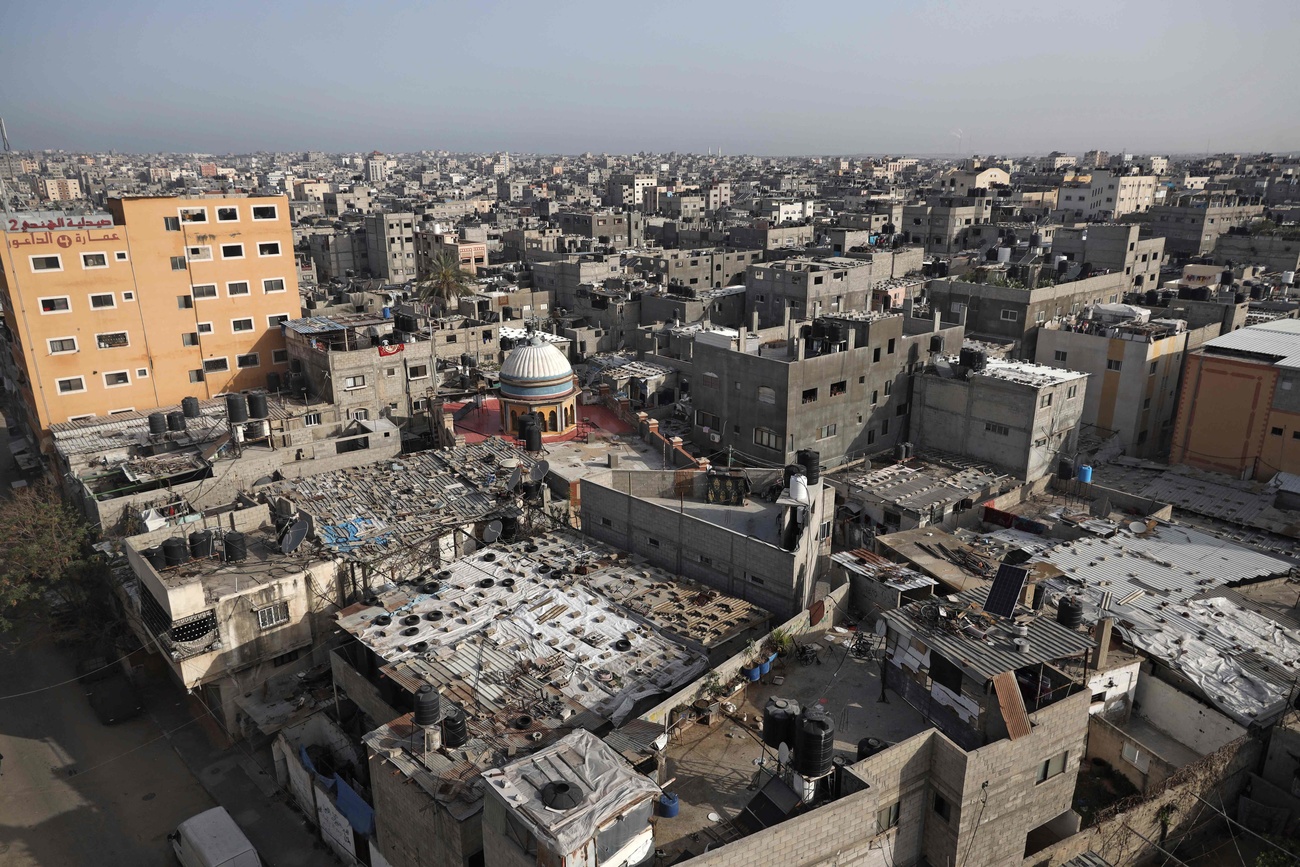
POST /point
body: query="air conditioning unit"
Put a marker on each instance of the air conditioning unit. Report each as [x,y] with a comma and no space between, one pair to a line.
[715,438]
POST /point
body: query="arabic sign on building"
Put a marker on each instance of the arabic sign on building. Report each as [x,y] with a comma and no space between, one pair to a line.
[63,238]
[47,221]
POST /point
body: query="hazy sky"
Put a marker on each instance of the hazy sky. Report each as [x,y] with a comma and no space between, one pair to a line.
[753,77]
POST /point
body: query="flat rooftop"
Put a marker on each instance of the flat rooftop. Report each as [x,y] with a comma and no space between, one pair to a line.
[716,766]
[1026,373]
[757,517]
[918,485]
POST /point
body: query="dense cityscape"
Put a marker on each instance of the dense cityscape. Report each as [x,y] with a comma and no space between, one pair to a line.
[889,509]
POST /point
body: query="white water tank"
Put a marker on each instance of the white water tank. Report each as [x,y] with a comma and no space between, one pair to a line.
[799,489]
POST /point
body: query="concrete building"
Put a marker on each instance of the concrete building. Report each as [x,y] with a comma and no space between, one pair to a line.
[840,385]
[626,229]
[158,300]
[1278,251]
[1116,247]
[429,245]
[627,190]
[60,189]
[339,253]
[803,288]
[764,235]
[961,182]
[941,223]
[564,277]
[1239,410]
[1108,196]
[390,246]
[1134,364]
[720,528]
[377,171]
[692,272]
[1192,223]
[1018,417]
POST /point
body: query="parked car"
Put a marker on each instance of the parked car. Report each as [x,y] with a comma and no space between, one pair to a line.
[113,696]
[212,839]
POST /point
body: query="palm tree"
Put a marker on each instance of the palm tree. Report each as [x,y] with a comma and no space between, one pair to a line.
[445,283]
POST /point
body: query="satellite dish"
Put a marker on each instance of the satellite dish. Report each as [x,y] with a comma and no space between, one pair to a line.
[538,472]
[492,532]
[266,480]
[515,478]
[293,536]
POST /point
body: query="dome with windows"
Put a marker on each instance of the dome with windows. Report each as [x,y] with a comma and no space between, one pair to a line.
[537,380]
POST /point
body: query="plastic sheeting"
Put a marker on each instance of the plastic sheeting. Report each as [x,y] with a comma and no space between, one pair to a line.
[360,815]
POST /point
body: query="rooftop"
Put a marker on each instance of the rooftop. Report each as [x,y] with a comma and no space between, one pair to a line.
[1277,341]
[919,485]
[887,572]
[1026,373]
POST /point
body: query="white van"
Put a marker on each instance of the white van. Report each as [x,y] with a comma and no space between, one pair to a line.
[212,839]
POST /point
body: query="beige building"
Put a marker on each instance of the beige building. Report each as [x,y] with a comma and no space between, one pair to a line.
[60,189]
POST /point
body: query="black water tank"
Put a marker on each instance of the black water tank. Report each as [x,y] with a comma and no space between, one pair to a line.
[1257,291]
[814,744]
[201,544]
[190,406]
[454,732]
[273,382]
[176,421]
[1065,469]
[936,343]
[533,438]
[175,551]
[780,715]
[868,747]
[523,422]
[428,706]
[236,547]
[237,408]
[155,556]
[466,360]
[811,461]
[157,424]
[1069,612]
[509,527]
[257,405]
[1238,297]
[1152,298]
[791,470]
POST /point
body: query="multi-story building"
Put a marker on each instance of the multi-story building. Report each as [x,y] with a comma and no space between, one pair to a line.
[60,189]
[1013,415]
[338,253]
[608,227]
[694,271]
[762,235]
[839,384]
[1192,223]
[1113,247]
[563,277]
[160,299]
[377,168]
[625,190]
[1239,411]
[429,245]
[390,246]
[1133,365]
[1277,251]
[941,223]
[1108,196]
[808,288]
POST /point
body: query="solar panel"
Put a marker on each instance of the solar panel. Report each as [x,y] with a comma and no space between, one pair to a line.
[1005,592]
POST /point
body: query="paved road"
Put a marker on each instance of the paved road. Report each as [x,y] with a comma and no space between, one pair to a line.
[74,791]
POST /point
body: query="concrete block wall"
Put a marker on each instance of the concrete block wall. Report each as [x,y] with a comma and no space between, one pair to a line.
[414,830]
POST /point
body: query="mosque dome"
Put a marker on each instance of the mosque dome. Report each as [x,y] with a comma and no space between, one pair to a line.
[536,370]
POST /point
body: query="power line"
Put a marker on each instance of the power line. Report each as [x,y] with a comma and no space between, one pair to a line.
[1232,821]
[70,680]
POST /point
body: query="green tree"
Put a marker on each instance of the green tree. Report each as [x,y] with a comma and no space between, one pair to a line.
[41,540]
[446,282]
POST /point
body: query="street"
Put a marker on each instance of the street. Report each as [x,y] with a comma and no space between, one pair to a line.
[72,790]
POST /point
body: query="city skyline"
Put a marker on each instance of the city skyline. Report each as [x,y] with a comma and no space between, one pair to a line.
[862,79]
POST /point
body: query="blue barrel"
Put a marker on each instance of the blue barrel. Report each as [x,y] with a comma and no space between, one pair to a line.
[386,312]
[1085,474]
[668,805]
[753,673]
[764,667]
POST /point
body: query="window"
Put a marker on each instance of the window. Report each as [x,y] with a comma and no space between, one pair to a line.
[115,378]
[451,338]
[826,432]
[216,365]
[60,304]
[184,302]
[711,380]
[707,420]
[265,212]
[238,287]
[172,224]
[273,284]
[228,214]
[769,439]
[901,409]
[354,382]
[204,327]
[199,254]
[889,387]
[995,428]
[94,260]
[1045,400]
[652,541]
[62,344]
[128,296]
[838,388]
[1276,431]
[194,215]
[875,355]
[1060,355]
[311,419]
[207,290]
[1052,767]
[238,325]
[887,818]
[120,255]
[1152,370]
[810,395]
[103,302]
[274,321]
[1010,315]
[273,615]
[941,807]
[46,263]
[1146,403]
[417,371]
[252,359]
[279,356]
[232,251]
[889,350]
[606,522]
[1071,392]
[1114,364]
[196,376]
[112,340]
[72,385]
[268,248]
[178,263]
[766,394]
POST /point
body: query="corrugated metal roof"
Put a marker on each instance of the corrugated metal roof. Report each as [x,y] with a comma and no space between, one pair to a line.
[1087,859]
[1279,339]
[978,642]
[1012,704]
[887,572]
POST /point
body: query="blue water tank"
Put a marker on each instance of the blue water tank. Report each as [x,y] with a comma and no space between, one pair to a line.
[386,312]
[1085,474]
[668,805]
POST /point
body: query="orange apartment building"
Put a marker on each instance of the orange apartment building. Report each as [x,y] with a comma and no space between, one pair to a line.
[160,299]
[1239,411]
